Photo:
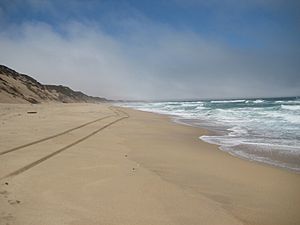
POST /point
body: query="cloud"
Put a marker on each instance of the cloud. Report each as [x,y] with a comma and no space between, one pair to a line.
[147,60]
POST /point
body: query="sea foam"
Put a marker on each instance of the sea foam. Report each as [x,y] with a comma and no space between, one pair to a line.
[264,130]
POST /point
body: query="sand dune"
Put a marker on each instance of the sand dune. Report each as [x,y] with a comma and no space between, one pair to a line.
[21,88]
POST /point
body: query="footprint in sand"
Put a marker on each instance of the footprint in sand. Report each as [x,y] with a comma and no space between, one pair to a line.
[6,217]
[14,202]
[4,193]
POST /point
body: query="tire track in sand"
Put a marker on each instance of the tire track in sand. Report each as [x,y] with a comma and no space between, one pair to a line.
[57,135]
[37,162]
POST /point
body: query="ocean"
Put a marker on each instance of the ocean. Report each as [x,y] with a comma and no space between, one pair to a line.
[263,130]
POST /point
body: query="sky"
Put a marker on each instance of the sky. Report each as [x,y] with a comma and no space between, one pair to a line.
[156,49]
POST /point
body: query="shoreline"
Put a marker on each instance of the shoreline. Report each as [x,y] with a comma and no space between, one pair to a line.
[259,158]
[142,170]
[209,132]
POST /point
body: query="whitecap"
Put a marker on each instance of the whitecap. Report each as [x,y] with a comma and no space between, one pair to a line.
[258,101]
[291,107]
[228,101]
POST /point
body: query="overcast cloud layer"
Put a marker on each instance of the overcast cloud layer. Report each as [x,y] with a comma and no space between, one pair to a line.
[137,52]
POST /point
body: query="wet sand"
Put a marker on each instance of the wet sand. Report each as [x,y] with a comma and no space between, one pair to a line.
[96,164]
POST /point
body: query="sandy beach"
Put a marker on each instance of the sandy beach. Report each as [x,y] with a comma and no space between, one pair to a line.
[98,164]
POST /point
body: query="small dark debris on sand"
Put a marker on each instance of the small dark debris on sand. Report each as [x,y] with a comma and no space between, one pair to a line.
[31,112]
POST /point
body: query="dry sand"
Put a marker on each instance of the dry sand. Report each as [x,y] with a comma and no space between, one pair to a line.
[85,164]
